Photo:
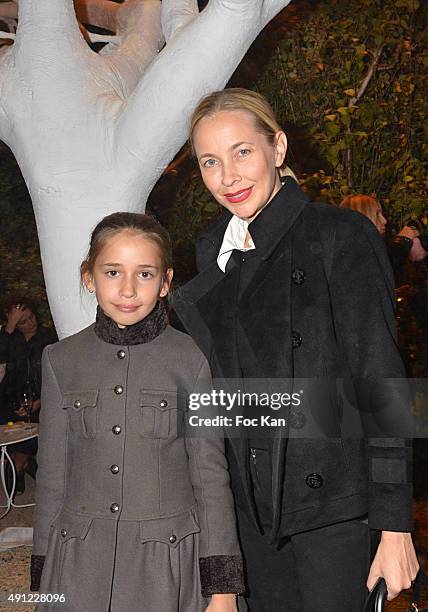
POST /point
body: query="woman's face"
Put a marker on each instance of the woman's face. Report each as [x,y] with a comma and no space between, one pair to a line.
[27,324]
[128,278]
[380,220]
[238,165]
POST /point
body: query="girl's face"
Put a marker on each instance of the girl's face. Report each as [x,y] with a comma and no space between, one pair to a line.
[238,165]
[380,220]
[128,278]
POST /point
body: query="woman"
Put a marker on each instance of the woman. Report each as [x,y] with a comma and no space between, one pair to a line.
[368,206]
[408,243]
[22,341]
[291,289]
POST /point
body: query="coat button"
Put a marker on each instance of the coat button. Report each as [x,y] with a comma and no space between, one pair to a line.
[77,404]
[116,429]
[114,508]
[297,419]
[114,469]
[298,276]
[296,339]
[173,539]
[163,403]
[118,389]
[314,481]
[63,532]
[121,354]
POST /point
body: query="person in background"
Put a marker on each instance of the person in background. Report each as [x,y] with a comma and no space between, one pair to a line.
[409,244]
[407,252]
[22,341]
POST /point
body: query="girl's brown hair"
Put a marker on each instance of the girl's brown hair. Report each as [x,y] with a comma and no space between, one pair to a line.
[135,223]
[364,204]
[238,99]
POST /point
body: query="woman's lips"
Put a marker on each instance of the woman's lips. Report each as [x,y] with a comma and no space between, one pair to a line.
[238,196]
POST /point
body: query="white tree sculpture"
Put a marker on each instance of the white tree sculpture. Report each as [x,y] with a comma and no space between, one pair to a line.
[93,132]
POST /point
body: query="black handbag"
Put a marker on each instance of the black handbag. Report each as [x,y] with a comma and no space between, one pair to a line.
[375,601]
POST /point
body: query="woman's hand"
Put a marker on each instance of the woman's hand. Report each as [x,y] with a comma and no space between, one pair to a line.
[35,405]
[223,603]
[408,232]
[13,316]
[34,408]
[21,411]
[417,252]
[395,561]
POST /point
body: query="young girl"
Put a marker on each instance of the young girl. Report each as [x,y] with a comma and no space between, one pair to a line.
[293,289]
[130,516]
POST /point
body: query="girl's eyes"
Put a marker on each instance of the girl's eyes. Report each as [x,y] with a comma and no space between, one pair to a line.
[209,163]
[115,274]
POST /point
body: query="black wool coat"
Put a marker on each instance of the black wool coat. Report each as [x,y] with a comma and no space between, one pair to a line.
[23,368]
[320,305]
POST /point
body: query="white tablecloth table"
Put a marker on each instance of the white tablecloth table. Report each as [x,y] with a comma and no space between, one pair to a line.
[19,432]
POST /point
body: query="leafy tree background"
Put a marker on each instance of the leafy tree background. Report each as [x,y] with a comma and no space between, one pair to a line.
[311,63]
[364,139]
[347,81]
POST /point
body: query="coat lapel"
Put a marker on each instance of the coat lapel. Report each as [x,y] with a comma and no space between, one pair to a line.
[205,305]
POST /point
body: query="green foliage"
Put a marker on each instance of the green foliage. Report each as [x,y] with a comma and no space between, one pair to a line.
[21,269]
[194,209]
[376,144]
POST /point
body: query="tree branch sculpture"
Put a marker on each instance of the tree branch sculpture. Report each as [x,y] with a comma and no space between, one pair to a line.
[93,132]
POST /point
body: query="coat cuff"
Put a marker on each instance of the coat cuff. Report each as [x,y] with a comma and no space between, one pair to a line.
[221,574]
[391,507]
[37,563]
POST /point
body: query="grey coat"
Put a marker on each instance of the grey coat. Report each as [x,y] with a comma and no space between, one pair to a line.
[127,511]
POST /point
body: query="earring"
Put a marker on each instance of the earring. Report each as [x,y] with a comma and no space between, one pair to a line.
[91,290]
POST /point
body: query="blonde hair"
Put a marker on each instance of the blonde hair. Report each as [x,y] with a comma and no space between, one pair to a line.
[364,204]
[239,99]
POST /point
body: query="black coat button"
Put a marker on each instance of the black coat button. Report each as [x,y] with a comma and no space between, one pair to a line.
[63,532]
[116,429]
[114,508]
[297,419]
[121,354]
[163,403]
[77,404]
[114,469]
[314,481]
[173,539]
[296,339]
[118,389]
[298,276]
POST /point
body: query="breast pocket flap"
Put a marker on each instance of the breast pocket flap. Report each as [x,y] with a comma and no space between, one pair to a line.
[80,399]
[169,530]
[159,412]
[162,400]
